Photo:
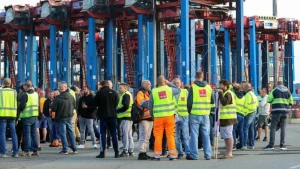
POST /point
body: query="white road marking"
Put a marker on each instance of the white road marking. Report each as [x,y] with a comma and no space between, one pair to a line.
[294,167]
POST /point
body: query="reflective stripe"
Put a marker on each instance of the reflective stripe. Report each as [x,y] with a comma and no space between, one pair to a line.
[172,151]
[281,109]
[163,110]
[204,109]
[280,101]
[164,105]
[7,108]
[228,112]
[201,102]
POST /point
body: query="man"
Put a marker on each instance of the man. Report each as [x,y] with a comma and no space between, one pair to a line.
[264,114]
[56,140]
[107,100]
[240,104]
[124,115]
[199,104]
[19,128]
[227,116]
[29,107]
[47,113]
[8,114]
[182,121]
[251,103]
[146,123]
[86,109]
[161,105]
[75,117]
[43,120]
[281,100]
[63,108]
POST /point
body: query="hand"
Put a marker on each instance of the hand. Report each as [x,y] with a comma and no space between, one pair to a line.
[219,90]
[84,106]
[166,81]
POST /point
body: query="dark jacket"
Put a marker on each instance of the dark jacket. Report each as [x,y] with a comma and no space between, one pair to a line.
[47,106]
[24,99]
[106,100]
[125,103]
[225,100]
[89,111]
[280,92]
[239,94]
[63,105]
[190,96]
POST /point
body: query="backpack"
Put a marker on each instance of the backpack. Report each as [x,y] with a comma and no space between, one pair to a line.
[136,113]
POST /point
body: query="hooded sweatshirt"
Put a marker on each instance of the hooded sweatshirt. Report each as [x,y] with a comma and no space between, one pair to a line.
[64,105]
[190,96]
[280,92]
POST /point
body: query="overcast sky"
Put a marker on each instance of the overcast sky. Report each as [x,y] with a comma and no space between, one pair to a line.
[252,7]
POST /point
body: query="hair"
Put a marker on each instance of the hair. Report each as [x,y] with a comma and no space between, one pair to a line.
[145,82]
[62,84]
[187,87]
[87,88]
[199,74]
[104,83]
[7,82]
[28,83]
[236,87]
[243,82]
[176,80]
[160,80]
[280,83]
[124,85]
[225,83]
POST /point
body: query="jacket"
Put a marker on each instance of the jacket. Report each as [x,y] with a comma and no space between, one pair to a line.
[107,101]
[239,95]
[125,103]
[23,101]
[47,106]
[225,100]
[63,105]
[142,100]
[190,96]
[89,111]
[280,93]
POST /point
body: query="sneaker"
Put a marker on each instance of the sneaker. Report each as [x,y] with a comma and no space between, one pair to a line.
[201,149]
[95,146]
[163,154]
[124,154]
[244,148]
[268,147]
[64,153]
[131,154]
[188,157]
[3,156]
[207,158]
[282,147]
[257,138]
[101,155]
[43,142]
[15,155]
[117,154]
[180,156]
[265,139]
[142,156]
[80,146]
[251,148]
[155,159]
[108,147]
[172,159]
[35,153]
[234,148]
[28,154]
[148,156]
[75,152]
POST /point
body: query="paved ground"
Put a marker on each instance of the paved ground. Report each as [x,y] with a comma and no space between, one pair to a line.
[251,159]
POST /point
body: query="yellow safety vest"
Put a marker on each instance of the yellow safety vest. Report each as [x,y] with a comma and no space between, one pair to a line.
[240,105]
[8,102]
[181,104]
[228,111]
[163,105]
[127,113]
[251,103]
[201,100]
[32,106]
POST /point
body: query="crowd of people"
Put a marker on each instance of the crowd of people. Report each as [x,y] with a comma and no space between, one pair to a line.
[173,121]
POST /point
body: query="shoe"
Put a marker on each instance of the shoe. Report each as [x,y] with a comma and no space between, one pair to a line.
[163,154]
[77,139]
[269,147]
[148,156]
[251,148]
[265,139]
[172,159]
[155,159]
[28,154]
[200,148]
[234,148]
[180,156]
[95,146]
[207,158]
[3,156]
[124,154]
[282,147]
[108,147]
[40,148]
[15,155]
[75,152]
[257,138]
[131,154]
[42,142]
[35,153]
[244,148]
[142,156]
[101,155]
[188,157]
[80,146]
[117,154]
[63,152]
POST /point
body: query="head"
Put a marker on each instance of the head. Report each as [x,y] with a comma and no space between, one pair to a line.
[42,94]
[123,87]
[243,84]
[27,85]
[199,75]
[56,92]
[247,87]
[280,83]
[51,95]
[187,87]
[7,82]
[98,87]
[224,85]
[110,84]
[263,92]
[104,83]
[177,82]
[86,90]
[146,84]
[62,86]
[237,87]
[161,81]
[21,90]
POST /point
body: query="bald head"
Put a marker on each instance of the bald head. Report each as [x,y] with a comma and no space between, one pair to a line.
[161,81]
[7,82]
[247,87]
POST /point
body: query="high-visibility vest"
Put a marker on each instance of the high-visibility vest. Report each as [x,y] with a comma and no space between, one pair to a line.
[32,106]
[163,105]
[228,111]
[8,102]
[201,100]
[127,113]
[181,104]
[251,103]
[240,103]
[73,94]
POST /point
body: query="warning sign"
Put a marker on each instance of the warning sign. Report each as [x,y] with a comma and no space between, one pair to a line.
[162,95]
[202,93]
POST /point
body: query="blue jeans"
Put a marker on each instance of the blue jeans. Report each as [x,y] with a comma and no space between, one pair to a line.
[182,134]
[12,129]
[55,131]
[30,139]
[65,127]
[202,123]
[249,128]
[50,124]
[240,127]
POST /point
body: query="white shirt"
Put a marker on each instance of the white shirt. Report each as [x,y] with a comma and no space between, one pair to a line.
[264,106]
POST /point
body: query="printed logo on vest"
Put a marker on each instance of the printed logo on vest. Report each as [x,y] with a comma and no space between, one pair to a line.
[162,95]
[202,93]
[182,98]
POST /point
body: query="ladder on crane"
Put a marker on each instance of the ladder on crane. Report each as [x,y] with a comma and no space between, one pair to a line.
[170,49]
[127,53]
[82,58]
[11,61]
[46,58]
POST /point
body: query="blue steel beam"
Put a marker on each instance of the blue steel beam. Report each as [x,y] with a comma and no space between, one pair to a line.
[53,60]
[185,39]
[240,40]
[290,68]
[206,52]
[21,56]
[65,57]
[253,62]
[91,57]
[214,65]
[60,60]
[28,58]
[178,53]
[151,48]
[226,54]
[142,49]
[259,65]
[265,63]
[233,66]
[193,64]
[33,71]
[110,30]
